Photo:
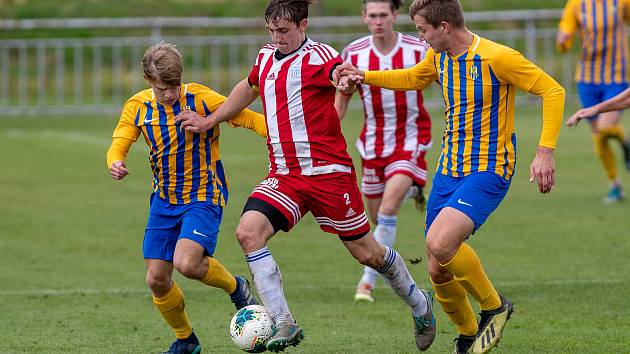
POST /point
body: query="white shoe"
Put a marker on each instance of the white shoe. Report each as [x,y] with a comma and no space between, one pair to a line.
[364,293]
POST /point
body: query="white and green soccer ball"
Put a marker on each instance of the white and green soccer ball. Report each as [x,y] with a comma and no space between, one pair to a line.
[251,328]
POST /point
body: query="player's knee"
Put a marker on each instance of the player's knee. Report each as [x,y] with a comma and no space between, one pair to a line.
[158,282]
[439,248]
[186,267]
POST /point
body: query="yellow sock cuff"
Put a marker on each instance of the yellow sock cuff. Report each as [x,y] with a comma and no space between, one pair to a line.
[172,306]
[219,277]
[605,153]
[467,270]
[173,298]
[616,131]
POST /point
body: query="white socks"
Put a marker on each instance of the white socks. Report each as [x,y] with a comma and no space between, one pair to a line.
[395,271]
[385,234]
[268,282]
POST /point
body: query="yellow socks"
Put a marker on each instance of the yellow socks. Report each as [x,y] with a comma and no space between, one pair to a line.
[467,270]
[452,296]
[171,306]
[219,277]
[616,131]
[605,153]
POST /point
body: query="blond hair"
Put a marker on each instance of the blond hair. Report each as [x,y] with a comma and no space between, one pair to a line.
[163,62]
[437,11]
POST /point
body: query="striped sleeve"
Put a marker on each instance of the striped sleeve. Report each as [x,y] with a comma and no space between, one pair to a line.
[125,133]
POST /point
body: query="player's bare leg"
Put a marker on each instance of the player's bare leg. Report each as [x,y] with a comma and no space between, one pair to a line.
[606,126]
[253,232]
[458,261]
[392,267]
[383,213]
[169,300]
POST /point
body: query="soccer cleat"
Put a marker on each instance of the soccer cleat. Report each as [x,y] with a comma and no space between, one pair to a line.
[491,326]
[285,334]
[364,292]
[242,296]
[463,344]
[626,153]
[189,345]
[614,195]
[424,326]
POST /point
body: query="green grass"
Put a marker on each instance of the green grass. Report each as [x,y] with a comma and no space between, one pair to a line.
[73,275]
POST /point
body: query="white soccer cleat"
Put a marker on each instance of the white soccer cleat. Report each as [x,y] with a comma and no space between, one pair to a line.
[364,293]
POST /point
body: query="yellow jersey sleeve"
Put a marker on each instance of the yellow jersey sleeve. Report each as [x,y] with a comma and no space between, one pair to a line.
[513,68]
[569,20]
[125,133]
[417,77]
[118,150]
[251,120]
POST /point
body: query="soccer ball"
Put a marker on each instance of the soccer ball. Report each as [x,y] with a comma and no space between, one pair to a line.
[251,328]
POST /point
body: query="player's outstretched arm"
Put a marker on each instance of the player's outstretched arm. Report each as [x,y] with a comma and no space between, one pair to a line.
[241,96]
[619,102]
[346,77]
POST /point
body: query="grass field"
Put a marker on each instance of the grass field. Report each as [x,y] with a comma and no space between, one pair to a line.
[72,272]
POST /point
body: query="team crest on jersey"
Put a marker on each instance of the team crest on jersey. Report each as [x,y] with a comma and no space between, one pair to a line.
[294,74]
[271,182]
[474,73]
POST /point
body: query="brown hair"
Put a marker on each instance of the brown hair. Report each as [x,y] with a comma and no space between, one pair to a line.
[394,4]
[291,10]
[437,11]
[163,62]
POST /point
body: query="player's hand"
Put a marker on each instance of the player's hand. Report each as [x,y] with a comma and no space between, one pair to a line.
[543,169]
[118,170]
[581,114]
[346,76]
[192,121]
[563,41]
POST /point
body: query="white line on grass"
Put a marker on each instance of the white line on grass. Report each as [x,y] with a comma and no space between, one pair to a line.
[58,135]
[62,292]
[88,139]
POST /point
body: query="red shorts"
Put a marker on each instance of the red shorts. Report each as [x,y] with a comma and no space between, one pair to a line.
[333,198]
[377,171]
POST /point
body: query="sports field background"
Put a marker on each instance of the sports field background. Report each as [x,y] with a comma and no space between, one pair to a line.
[72,273]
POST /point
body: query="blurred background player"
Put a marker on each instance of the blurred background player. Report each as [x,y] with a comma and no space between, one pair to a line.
[397,129]
[478,79]
[601,73]
[189,187]
[310,170]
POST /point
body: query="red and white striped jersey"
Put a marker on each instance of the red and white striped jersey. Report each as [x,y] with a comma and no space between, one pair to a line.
[394,120]
[298,100]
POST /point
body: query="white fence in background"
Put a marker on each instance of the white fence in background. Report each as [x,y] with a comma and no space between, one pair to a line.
[95,75]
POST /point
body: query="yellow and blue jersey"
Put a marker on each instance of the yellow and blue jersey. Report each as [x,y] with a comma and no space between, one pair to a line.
[478,87]
[186,166]
[603,35]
